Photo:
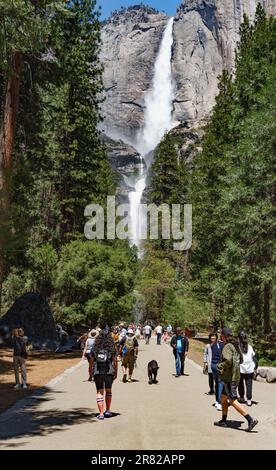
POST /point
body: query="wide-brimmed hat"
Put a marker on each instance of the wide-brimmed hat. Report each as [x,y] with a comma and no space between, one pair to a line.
[92,333]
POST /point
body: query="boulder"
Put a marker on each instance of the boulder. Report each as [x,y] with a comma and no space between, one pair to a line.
[262,372]
[32,312]
[70,345]
[271,374]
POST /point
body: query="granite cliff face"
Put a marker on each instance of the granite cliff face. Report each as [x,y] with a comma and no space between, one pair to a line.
[131,39]
[205,36]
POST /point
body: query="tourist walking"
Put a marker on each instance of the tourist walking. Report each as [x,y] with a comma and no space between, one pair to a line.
[88,351]
[147,333]
[247,369]
[82,341]
[207,363]
[19,357]
[128,351]
[165,336]
[104,367]
[116,337]
[158,331]
[229,370]
[180,345]
[213,356]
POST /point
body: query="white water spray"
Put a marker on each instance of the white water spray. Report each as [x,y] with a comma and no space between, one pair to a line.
[158,120]
[158,114]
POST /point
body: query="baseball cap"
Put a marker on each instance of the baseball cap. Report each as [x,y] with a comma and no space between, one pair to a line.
[226,332]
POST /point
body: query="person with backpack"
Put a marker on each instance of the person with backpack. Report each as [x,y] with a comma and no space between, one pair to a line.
[229,370]
[87,352]
[19,357]
[180,345]
[247,369]
[104,369]
[129,352]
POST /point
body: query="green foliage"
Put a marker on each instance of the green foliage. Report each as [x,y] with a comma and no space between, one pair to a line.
[94,280]
[228,275]
[156,276]
[183,309]
[233,187]
[42,265]
[14,286]
[24,26]
[169,173]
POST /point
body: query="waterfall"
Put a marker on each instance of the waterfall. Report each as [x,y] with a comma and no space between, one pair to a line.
[158,120]
[158,102]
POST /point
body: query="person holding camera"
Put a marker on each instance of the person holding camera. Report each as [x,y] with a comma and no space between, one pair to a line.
[19,357]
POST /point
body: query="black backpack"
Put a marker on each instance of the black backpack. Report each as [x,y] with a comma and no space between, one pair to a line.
[102,357]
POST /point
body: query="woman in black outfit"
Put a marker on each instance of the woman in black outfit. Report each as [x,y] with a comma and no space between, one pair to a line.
[104,369]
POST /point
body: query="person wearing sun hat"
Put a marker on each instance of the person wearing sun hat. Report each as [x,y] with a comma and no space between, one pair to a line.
[88,350]
[128,351]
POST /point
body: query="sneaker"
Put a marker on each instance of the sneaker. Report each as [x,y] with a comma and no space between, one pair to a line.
[251,424]
[107,414]
[241,400]
[221,424]
[100,417]
[129,381]
[249,403]
[216,404]
[24,386]
[17,386]
[219,407]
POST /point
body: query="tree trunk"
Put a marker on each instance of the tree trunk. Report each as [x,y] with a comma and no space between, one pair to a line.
[10,109]
[266,312]
[7,136]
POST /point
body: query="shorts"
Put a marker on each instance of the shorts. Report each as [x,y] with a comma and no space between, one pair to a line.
[128,360]
[103,381]
[230,390]
[88,356]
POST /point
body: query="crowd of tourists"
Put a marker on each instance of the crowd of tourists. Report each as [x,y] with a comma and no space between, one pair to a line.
[229,362]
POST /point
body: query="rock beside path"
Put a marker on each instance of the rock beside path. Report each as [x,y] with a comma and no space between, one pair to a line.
[268,373]
[32,312]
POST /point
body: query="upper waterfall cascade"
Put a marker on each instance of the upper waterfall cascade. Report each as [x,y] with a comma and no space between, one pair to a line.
[159,100]
[158,120]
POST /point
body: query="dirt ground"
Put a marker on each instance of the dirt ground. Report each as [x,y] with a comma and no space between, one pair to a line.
[41,368]
[196,351]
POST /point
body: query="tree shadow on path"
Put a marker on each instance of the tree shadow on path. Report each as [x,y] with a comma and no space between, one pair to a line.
[27,419]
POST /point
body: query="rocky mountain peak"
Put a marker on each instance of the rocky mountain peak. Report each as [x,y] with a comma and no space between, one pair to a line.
[130,42]
[139,13]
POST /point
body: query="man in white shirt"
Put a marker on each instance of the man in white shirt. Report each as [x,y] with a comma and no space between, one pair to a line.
[158,331]
[147,331]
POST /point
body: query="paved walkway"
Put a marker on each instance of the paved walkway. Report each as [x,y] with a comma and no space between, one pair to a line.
[174,414]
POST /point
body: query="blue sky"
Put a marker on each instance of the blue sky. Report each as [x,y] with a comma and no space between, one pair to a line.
[169,6]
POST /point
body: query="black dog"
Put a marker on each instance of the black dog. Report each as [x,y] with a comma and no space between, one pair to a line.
[152,372]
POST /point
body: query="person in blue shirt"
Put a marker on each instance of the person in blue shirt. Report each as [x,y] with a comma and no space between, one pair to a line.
[180,345]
